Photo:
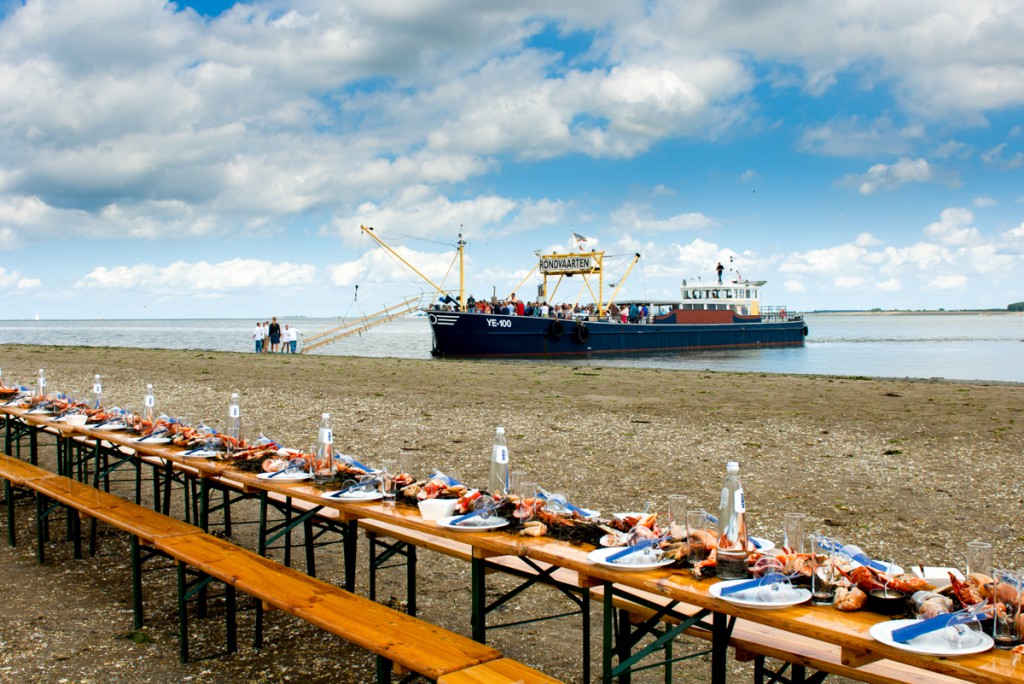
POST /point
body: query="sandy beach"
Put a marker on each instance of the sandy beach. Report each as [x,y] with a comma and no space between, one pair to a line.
[910,470]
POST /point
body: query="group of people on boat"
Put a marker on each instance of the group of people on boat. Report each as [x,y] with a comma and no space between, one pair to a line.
[632,313]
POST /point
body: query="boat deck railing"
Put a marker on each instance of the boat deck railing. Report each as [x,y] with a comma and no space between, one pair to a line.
[779,313]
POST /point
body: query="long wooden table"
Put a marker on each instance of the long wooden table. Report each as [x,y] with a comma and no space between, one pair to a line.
[849,631]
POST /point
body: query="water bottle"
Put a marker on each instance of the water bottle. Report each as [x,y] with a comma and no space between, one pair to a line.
[234,417]
[732,532]
[323,468]
[149,405]
[497,482]
[97,392]
[41,384]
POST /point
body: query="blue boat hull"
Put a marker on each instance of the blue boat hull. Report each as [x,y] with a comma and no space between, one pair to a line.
[490,335]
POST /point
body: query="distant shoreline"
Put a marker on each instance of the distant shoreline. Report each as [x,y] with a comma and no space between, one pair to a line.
[896,312]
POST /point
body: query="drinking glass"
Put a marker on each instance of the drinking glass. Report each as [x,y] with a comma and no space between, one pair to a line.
[389,469]
[793,532]
[823,573]
[979,557]
[677,504]
[516,478]
[526,507]
[1006,600]
[696,532]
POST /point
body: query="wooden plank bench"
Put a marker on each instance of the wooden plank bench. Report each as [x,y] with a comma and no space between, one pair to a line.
[502,671]
[394,636]
[16,473]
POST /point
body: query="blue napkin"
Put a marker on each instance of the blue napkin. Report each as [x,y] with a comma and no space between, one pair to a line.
[338,494]
[462,518]
[449,480]
[904,634]
[751,584]
[357,464]
[639,546]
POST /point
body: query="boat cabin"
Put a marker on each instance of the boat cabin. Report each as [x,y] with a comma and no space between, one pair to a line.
[741,297]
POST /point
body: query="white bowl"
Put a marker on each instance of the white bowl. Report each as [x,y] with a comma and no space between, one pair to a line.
[76,419]
[435,509]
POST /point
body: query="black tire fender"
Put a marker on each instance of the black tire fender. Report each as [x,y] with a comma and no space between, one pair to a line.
[556,329]
[581,333]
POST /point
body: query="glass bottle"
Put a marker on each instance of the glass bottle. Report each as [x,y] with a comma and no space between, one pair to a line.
[732,536]
[97,391]
[497,482]
[234,417]
[41,384]
[149,405]
[323,469]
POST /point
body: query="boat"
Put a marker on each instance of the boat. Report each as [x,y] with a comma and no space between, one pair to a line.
[716,315]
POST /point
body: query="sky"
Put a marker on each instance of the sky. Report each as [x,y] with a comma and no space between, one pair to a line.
[216,159]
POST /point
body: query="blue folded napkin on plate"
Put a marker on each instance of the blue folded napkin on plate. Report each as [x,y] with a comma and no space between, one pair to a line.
[639,546]
[351,488]
[902,635]
[462,518]
[357,464]
[751,584]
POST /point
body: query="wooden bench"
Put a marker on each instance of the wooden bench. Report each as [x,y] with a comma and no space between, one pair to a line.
[16,473]
[502,671]
[395,637]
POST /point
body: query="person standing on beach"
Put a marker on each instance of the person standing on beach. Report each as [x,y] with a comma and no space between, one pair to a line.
[257,337]
[266,336]
[720,268]
[291,338]
[275,334]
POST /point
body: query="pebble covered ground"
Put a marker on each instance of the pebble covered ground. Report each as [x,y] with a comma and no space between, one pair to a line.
[908,469]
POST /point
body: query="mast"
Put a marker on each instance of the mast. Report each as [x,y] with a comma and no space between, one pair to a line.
[462,274]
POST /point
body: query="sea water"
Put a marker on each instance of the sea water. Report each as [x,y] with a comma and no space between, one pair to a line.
[949,346]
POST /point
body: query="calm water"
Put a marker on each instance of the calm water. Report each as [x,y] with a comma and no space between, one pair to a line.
[955,347]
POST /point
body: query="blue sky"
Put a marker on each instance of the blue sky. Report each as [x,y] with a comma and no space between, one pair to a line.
[216,159]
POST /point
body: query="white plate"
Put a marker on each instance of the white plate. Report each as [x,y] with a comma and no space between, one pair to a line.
[284,477]
[622,516]
[801,595]
[599,556]
[152,440]
[112,427]
[353,497]
[40,412]
[929,644]
[203,453]
[473,524]
[766,544]
[937,575]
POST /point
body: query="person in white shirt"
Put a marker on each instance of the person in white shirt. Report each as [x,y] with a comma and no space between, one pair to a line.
[291,339]
[257,337]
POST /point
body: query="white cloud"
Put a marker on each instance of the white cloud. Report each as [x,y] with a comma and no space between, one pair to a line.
[13,280]
[794,286]
[849,282]
[638,218]
[855,137]
[235,275]
[866,240]
[890,285]
[948,282]
[831,260]
[953,228]
[890,176]
[984,202]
